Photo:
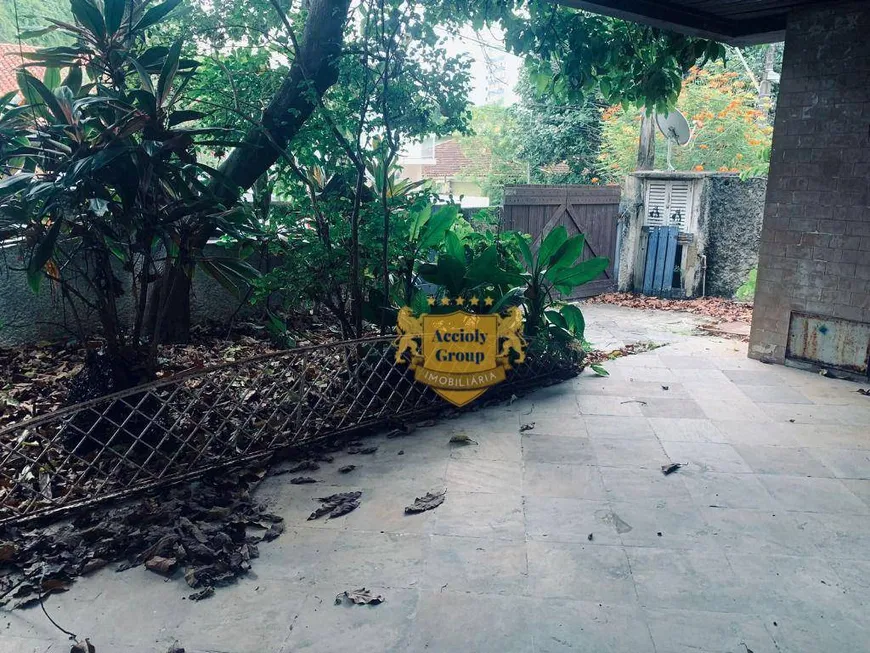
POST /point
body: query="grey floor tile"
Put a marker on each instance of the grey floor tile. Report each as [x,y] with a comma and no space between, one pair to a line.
[691,631]
[580,572]
[803,634]
[603,426]
[607,405]
[838,536]
[570,520]
[770,532]
[793,585]
[555,424]
[539,448]
[555,480]
[745,431]
[845,463]
[589,627]
[803,494]
[489,445]
[704,456]
[792,461]
[727,410]
[859,487]
[250,616]
[680,408]
[621,452]
[727,490]
[687,362]
[623,484]
[681,429]
[477,514]
[775,394]
[447,622]
[322,626]
[665,524]
[688,580]
[479,475]
[754,377]
[477,566]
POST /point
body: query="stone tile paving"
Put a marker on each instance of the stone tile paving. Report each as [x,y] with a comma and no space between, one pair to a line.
[761,543]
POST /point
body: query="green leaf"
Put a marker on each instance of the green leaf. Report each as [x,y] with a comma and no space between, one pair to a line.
[551,243]
[418,221]
[167,72]
[485,269]
[233,274]
[448,273]
[73,79]
[567,254]
[436,227]
[525,250]
[178,117]
[145,82]
[41,256]
[600,371]
[155,14]
[30,85]
[114,14]
[14,183]
[36,33]
[513,297]
[574,320]
[454,247]
[579,274]
[51,78]
[90,17]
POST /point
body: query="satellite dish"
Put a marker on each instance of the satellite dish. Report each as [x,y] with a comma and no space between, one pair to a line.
[675,128]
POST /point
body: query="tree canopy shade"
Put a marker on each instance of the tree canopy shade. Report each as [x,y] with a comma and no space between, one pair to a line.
[572,54]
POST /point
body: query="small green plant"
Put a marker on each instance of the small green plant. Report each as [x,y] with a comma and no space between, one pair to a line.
[746,292]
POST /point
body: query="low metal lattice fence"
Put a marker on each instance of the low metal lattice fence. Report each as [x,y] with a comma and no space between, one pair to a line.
[208,419]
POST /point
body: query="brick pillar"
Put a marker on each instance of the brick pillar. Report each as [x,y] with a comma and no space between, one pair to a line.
[815,241]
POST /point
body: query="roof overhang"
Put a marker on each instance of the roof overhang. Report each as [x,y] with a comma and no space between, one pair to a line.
[737,22]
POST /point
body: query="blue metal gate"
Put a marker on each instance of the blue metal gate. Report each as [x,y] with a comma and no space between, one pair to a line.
[661,261]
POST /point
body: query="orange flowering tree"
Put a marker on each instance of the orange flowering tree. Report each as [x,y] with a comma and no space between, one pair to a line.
[731,131]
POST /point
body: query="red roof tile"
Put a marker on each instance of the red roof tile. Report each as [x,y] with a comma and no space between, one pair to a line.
[10,60]
[449,161]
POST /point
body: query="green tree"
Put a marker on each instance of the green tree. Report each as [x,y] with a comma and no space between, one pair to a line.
[19,16]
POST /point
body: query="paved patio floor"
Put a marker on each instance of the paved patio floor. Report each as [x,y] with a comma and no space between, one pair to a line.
[566,537]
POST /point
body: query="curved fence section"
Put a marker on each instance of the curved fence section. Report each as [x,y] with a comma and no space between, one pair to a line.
[210,418]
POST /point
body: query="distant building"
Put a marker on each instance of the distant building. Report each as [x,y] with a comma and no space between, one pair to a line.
[443,162]
[10,61]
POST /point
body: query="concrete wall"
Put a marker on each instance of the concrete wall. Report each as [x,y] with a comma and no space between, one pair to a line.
[815,243]
[28,317]
[733,210]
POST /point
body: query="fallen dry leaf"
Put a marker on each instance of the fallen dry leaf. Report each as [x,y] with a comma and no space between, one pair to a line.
[461,438]
[427,502]
[361,596]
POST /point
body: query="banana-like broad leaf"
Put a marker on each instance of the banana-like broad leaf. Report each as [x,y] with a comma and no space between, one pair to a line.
[234,275]
[574,320]
[485,269]
[454,247]
[513,297]
[114,14]
[566,255]
[418,221]
[14,183]
[37,94]
[549,245]
[436,226]
[448,273]
[526,251]
[569,278]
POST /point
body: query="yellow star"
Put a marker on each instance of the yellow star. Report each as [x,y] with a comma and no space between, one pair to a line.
[430,301]
[489,301]
[459,301]
[474,301]
[445,301]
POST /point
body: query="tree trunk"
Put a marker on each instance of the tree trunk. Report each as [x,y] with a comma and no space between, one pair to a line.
[646,151]
[309,77]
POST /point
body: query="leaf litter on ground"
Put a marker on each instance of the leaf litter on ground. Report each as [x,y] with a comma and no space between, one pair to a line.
[461,438]
[336,505]
[527,427]
[361,596]
[427,502]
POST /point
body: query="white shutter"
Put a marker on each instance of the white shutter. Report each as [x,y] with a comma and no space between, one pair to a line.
[656,203]
[678,204]
[668,203]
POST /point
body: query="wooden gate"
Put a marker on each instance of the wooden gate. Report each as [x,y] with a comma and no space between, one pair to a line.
[591,210]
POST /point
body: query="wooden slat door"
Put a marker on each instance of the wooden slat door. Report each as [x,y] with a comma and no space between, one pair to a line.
[591,210]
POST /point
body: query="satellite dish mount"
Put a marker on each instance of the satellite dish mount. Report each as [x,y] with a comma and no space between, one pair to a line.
[675,128]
